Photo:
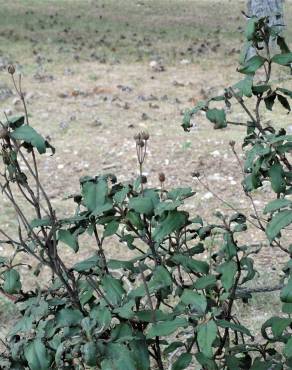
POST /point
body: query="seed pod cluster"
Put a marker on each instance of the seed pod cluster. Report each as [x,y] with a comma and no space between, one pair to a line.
[141,138]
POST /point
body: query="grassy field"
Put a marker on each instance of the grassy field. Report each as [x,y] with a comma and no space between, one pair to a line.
[90,87]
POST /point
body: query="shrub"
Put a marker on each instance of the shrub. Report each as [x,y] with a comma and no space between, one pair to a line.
[166,305]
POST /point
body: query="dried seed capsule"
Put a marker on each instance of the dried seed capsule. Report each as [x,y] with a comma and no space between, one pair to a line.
[232,143]
[161,177]
[137,137]
[11,69]
[140,143]
[143,179]
[196,174]
[145,135]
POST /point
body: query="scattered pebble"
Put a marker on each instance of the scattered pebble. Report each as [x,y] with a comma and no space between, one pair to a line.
[185,61]
[207,196]
[216,153]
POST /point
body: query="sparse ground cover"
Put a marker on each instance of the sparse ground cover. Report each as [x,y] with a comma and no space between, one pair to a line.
[87,74]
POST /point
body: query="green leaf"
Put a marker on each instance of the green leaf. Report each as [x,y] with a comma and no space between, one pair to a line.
[207,333]
[285,91]
[110,229]
[14,122]
[277,204]
[160,279]
[229,245]
[30,136]
[206,362]
[270,100]
[186,125]
[251,28]
[66,237]
[263,365]
[180,193]
[182,361]
[87,264]
[252,65]
[288,349]
[166,328]
[103,316]
[95,195]
[247,264]
[142,205]
[118,357]
[24,325]
[258,150]
[135,219]
[147,315]
[283,45]
[260,89]
[113,289]
[197,301]
[140,353]
[167,206]
[12,282]
[126,310]
[190,264]
[245,86]
[282,59]
[277,324]
[172,347]
[37,356]
[228,271]
[287,308]
[120,195]
[89,351]
[205,282]
[286,293]
[121,264]
[235,327]
[279,221]
[39,222]
[173,222]
[284,102]
[68,317]
[217,116]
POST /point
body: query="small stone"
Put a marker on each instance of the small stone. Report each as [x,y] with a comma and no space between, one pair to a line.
[125,88]
[63,125]
[16,101]
[97,123]
[207,196]
[144,117]
[216,153]
[153,106]
[8,111]
[178,84]
[156,66]
[185,61]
